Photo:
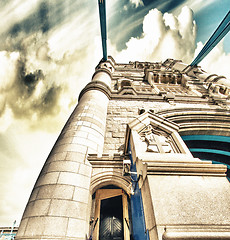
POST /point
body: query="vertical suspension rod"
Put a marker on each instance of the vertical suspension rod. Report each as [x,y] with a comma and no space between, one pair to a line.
[102,13]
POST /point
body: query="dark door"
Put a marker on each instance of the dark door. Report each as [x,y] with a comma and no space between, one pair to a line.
[111,219]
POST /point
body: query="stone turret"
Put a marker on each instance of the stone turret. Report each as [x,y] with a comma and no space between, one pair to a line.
[58,207]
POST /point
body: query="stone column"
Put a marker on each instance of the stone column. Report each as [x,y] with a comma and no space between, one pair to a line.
[58,207]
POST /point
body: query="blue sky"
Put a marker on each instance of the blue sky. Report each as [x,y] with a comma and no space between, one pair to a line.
[209,18]
[48,52]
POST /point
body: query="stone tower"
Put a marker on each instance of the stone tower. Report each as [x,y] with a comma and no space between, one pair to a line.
[120,168]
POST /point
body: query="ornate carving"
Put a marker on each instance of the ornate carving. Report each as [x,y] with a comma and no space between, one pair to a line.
[157,140]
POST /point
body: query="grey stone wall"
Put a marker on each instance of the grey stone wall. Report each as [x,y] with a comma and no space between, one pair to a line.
[121,112]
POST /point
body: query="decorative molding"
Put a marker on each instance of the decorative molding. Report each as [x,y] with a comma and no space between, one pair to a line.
[106,160]
[195,168]
[189,232]
[108,170]
[168,143]
[211,121]
[96,85]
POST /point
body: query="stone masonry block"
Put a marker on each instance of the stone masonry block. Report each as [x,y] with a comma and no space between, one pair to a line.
[71,133]
[46,191]
[92,145]
[45,167]
[92,119]
[81,195]
[81,134]
[64,140]
[84,129]
[63,166]
[48,178]
[118,135]
[76,228]
[67,208]
[63,192]
[75,156]
[98,129]
[86,123]
[80,140]
[85,169]
[35,226]
[74,179]
[108,135]
[112,140]
[34,194]
[37,208]
[56,156]
[97,138]
[71,148]
[22,227]
[98,119]
[55,226]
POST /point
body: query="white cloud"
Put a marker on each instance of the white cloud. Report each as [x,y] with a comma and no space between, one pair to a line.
[137,3]
[8,69]
[15,11]
[164,36]
[217,61]
[67,56]
[40,80]
[43,79]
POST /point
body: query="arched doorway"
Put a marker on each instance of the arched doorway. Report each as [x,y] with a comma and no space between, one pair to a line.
[111,215]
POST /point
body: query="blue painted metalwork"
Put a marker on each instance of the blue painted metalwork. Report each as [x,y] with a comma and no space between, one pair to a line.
[216,151]
[206,138]
[213,148]
[220,32]
[8,236]
[215,162]
[102,13]
[137,211]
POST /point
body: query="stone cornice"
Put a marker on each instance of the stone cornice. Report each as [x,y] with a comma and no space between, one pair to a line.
[96,85]
[161,98]
[102,70]
[189,232]
[106,161]
[195,168]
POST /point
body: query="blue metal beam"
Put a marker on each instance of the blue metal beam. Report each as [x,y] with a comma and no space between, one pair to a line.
[220,32]
[215,138]
[216,151]
[102,13]
[213,148]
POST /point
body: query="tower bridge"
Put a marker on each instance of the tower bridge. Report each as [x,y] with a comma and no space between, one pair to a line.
[144,155]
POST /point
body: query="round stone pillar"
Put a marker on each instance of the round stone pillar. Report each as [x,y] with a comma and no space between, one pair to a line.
[58,207]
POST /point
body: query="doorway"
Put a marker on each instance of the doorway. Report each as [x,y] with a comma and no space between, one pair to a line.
[111,216]
[111,219]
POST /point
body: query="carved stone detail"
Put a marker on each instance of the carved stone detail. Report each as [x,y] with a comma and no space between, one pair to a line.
[157,140]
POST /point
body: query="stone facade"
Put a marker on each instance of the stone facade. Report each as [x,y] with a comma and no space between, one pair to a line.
[136,111]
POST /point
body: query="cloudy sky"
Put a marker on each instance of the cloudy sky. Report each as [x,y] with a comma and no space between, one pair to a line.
[48,52]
